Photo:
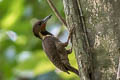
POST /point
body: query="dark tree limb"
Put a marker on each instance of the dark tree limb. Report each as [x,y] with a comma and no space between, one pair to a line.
[56,12]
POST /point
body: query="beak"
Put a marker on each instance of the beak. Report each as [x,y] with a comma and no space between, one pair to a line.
[46,18]
[42,27]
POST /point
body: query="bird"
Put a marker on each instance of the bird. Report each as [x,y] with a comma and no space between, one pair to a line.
[53,47]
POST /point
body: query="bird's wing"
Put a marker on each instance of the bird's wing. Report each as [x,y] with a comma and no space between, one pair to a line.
[50,48]
[51,51]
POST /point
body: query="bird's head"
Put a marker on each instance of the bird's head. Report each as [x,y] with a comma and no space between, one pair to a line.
[39,28]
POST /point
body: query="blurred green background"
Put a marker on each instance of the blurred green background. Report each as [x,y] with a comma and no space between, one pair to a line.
[21,54]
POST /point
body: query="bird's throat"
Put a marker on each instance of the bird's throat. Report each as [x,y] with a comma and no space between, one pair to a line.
[43,36]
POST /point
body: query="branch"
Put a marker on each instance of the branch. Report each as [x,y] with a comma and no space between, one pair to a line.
[56,12]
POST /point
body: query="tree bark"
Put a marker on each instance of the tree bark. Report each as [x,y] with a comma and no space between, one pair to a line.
[96,36]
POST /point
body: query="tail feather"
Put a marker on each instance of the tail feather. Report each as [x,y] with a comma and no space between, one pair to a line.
[72,69]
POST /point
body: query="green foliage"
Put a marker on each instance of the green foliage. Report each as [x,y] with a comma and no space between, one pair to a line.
[19,50]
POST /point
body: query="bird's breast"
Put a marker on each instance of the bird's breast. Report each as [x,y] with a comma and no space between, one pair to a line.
[50,48]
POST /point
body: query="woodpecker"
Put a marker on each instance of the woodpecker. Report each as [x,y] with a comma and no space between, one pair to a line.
[53,47]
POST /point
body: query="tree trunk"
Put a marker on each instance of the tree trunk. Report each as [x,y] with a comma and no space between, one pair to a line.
[96,36]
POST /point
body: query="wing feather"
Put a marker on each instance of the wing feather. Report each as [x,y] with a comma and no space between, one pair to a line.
[50,49]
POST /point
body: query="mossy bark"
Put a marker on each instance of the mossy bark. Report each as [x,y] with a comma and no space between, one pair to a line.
[97,48]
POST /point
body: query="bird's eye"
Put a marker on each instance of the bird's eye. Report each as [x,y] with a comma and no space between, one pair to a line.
[39,23]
